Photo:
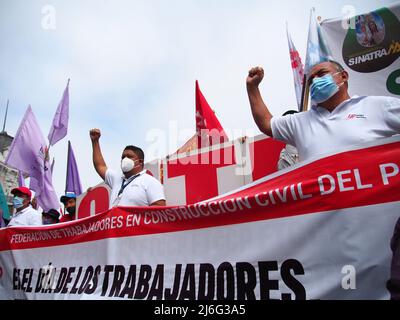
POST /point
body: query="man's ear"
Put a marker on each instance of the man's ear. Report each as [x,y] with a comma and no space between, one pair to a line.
[345,76]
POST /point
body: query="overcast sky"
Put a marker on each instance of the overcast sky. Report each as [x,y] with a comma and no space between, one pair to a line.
[133,66]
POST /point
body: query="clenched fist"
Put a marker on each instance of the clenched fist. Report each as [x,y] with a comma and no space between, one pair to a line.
[95,134]
[255,76]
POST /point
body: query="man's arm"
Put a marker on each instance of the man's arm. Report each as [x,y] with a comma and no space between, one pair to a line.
[98,160]
[261,114]
[160,203]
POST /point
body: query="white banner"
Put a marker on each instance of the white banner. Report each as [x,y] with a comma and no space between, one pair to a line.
[320,230]
[368,46]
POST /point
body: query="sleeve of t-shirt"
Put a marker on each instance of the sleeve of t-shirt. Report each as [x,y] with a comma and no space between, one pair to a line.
[282,129]
[392,114]
[111,177]
[154,191]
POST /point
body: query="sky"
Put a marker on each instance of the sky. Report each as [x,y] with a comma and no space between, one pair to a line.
[133,64]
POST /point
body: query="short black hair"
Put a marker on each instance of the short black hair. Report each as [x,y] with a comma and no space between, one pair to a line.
[139,152]
[338,66]
[289,112]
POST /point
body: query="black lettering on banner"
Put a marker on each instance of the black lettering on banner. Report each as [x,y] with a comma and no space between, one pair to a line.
[49,279]
[206,282]
[143,282]
[29,288]
[107,270]
[38,286]
[86,278]
[225,268]
[26,280]
[74,287]
[119,276]
[188,290]
[129,288]
[227,282]
[157,286]
[61,280]
[292,283]
[245,289]
[16,281]
[68,279]
[266,285]
[173,294]
[91,289]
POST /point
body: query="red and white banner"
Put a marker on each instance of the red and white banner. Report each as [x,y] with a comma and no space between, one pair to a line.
[200,174]
[320,230]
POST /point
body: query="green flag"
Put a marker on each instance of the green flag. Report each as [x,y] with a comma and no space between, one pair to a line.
[3,205]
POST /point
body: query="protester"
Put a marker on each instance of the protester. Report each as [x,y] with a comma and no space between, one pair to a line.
[25,215]
[135,187]
[335,120]
[50,217]
[393,284]
[69,201]
[289,154]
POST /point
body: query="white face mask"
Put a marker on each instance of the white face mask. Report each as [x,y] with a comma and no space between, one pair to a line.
[127,165]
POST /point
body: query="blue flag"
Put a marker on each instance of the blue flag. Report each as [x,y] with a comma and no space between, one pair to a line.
[317,48]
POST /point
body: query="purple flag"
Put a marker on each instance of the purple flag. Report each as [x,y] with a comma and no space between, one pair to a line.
[28,153]
[73,183]
[59,127]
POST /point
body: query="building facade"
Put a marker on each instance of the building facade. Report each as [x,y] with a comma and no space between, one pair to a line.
[8,176]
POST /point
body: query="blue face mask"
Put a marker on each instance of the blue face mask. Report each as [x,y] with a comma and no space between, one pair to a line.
[323,88]
[18,202]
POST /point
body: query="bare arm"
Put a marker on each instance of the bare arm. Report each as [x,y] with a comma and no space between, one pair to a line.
[160,203]
[98,160]
[261,114]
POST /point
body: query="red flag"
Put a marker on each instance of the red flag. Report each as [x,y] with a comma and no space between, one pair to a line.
[208,129]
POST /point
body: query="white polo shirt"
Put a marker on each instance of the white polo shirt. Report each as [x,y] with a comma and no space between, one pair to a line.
[354,121]
[26,217]
[142,191]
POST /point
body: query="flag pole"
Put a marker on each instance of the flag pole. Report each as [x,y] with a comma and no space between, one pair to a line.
[5,117]
[66,174]
[304,95]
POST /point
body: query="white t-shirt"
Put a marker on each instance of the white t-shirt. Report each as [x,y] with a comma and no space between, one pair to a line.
[142,191]
[354,121]
[26,217]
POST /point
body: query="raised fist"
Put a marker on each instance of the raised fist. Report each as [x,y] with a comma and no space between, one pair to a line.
[255,76]
[95,134]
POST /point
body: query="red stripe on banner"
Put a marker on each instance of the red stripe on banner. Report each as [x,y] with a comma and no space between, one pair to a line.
[351,179]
